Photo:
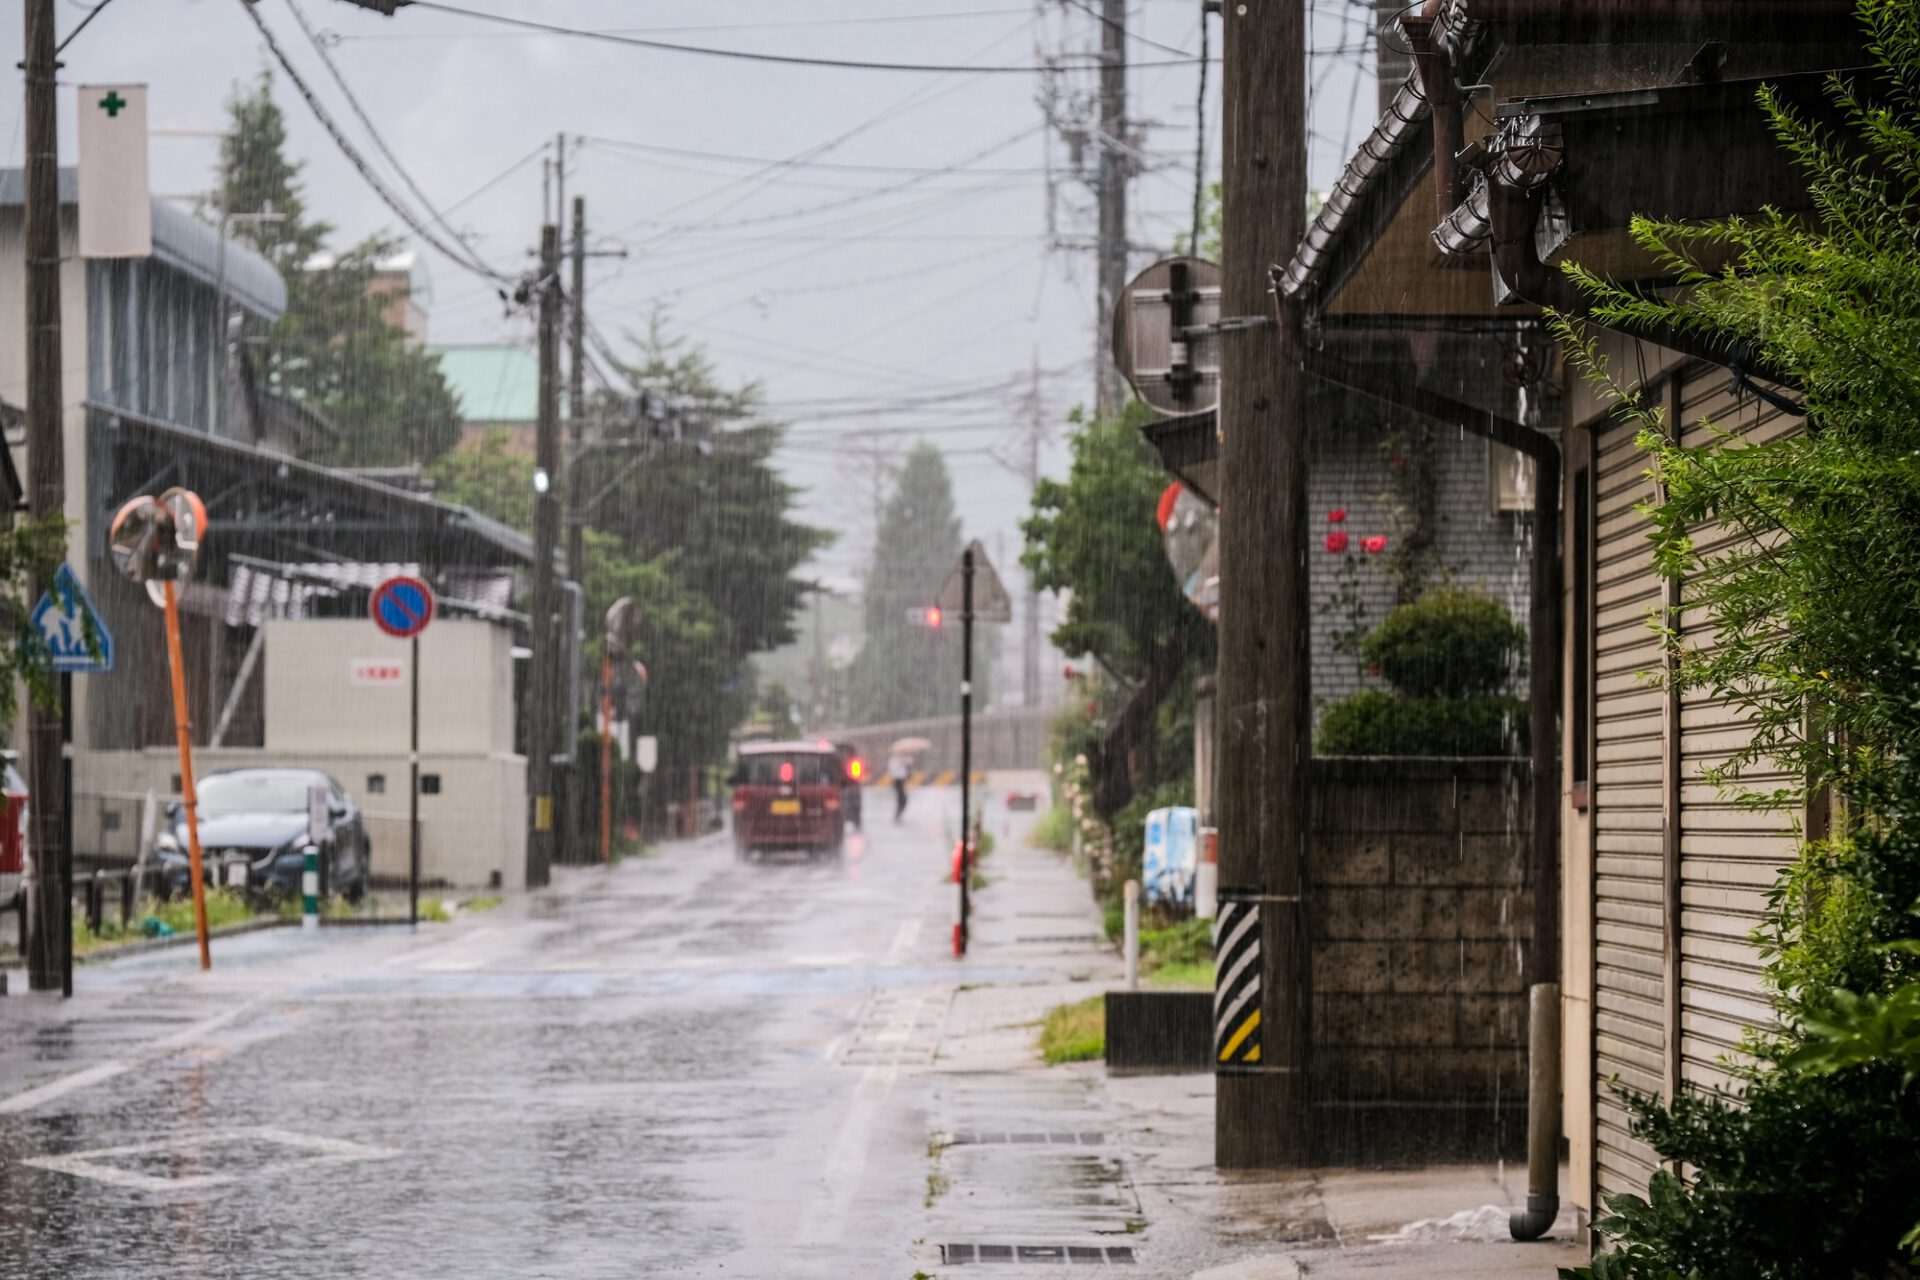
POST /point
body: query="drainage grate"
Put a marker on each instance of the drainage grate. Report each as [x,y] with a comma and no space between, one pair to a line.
[1032,1139]
[1056,1254]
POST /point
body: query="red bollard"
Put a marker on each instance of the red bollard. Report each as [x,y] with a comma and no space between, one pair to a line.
[959,907]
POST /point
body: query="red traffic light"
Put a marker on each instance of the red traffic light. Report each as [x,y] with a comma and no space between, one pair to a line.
[855,768]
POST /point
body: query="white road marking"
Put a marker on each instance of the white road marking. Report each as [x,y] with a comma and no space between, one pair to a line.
[317,1151]
[54,1090]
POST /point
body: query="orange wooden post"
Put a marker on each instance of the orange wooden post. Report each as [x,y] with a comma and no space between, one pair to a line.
[187,796]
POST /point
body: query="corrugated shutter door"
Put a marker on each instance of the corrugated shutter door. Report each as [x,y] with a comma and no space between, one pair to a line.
[1729,856]
[1629,975]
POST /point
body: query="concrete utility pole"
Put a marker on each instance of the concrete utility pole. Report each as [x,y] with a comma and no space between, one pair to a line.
[576,518]
[50,930]
[1030,607]
[543,683]
[1262,1008]
[1116,163]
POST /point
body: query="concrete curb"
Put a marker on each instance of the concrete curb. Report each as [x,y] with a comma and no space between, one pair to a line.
[181,939]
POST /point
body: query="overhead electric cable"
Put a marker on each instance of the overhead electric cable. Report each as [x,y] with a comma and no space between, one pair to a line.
[460,257]
[380,143]
[747,55]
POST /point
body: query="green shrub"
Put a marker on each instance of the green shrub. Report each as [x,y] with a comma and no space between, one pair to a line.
[1376,723]
[1447,644]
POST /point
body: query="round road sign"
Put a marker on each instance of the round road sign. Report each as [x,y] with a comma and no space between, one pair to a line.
[402,607]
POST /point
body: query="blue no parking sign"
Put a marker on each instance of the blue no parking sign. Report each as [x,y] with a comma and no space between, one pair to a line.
[402,607]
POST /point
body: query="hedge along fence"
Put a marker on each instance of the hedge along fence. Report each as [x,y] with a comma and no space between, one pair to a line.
[1446,655]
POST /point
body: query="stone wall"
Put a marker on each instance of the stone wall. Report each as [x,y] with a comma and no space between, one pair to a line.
[1420,910]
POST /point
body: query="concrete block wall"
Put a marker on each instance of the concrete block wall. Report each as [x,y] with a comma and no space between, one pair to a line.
[1419,901]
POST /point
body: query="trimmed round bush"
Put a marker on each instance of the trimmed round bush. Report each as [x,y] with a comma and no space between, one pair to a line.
[1374,722]
[1448,644]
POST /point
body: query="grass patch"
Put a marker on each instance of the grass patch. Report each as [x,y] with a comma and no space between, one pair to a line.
[330,909]
[1075,1032]
[1184,942]
[1186,977]
[434,911]
[483,904]
[224,907]
[1052,830]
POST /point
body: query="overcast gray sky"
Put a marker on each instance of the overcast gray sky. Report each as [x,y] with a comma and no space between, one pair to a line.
[902,256]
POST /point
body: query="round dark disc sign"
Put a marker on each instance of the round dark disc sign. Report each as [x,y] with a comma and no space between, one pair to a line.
[402,607]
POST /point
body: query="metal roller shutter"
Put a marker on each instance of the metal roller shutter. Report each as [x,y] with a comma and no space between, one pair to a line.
[1629,985]
[1729,856]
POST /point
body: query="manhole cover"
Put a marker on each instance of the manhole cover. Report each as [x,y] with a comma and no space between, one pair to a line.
[1058,1254]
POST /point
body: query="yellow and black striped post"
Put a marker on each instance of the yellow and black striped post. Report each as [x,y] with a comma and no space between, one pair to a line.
[1236,992]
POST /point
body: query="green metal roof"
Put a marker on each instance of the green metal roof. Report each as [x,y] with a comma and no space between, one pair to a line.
[495,382]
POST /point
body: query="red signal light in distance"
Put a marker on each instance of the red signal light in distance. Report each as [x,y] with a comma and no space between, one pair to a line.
[855,768]
[933,615]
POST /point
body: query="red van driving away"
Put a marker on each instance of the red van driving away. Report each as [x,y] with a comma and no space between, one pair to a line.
[786,795]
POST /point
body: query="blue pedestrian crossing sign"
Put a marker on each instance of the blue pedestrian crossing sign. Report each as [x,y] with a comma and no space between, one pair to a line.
[66,619]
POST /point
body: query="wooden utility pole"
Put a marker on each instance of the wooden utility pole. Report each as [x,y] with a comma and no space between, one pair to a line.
[1116,163]
[1264,998]
[50,928]
[543,684]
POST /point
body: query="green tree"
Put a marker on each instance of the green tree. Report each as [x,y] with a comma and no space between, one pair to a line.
[706,491]
[1813,631]
[332,351]
[906,670]
[1094,536]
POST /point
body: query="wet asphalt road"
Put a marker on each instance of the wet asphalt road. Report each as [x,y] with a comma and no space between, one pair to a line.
[686,1066]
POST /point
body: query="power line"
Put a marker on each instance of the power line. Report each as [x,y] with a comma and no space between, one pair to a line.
[460,257]
[734,158]
[379,142]
[878,20]
[785,59]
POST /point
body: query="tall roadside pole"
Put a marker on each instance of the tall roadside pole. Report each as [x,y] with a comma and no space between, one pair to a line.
[543,684]
[1116,163]
[50,933]
[1263,1000]
[576,518]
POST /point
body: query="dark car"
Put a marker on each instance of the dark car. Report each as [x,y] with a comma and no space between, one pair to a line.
[787,795]
[259,818]
[856,780]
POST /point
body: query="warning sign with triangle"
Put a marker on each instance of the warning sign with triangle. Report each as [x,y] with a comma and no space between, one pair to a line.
[991,603]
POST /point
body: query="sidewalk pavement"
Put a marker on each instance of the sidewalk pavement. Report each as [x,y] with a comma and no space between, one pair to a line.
[1156,1190]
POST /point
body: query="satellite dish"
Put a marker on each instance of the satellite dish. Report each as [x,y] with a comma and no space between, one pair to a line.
[1164,342]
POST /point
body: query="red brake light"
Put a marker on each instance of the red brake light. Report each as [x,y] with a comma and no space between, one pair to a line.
[786,771]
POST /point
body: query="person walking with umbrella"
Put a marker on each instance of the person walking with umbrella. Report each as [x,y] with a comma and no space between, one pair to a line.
[899,765]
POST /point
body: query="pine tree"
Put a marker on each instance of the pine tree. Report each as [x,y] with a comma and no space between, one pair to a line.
[332,351]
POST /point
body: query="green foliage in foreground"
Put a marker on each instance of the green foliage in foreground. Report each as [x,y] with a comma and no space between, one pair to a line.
[1813,633]
[224,907]
[1053,830]
[1075,1032]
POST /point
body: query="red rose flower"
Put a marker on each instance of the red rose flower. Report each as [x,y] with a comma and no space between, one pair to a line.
[1373,671]
[1336,515]
[1336,542]
[1375,545]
